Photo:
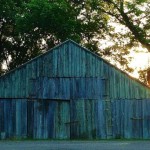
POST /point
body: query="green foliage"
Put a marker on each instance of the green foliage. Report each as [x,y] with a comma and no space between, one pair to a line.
[25,24]
[143,75]
[53,18]
[134,15]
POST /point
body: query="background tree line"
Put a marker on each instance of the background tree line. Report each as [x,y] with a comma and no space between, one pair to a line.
[30,27]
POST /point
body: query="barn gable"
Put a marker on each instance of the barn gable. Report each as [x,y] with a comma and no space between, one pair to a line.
[69,60]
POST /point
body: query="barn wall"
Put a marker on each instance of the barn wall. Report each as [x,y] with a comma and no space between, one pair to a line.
[131,119]
[70,92]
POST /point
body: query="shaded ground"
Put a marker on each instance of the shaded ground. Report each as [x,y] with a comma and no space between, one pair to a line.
[74,145]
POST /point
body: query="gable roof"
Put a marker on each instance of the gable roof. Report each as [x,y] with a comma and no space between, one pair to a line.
[87,50]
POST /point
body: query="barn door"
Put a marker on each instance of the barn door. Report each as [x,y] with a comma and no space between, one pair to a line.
[107,104]
[48,119]
[108,118]
[82,119]
[137,119]
[62,118]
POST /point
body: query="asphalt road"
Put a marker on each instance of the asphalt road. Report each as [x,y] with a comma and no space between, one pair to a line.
[74,145]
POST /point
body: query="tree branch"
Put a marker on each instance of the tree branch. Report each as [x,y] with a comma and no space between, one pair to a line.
[138,33]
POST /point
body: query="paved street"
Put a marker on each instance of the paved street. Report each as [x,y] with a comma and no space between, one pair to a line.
[74,145]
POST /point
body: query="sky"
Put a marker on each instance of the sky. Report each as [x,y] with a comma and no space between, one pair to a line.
[139,61]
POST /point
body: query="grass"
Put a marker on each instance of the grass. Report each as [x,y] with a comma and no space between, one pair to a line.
[72,140]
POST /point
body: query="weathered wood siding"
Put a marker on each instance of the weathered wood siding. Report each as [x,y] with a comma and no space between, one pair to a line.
[70,92]
[34,119]
[79,118]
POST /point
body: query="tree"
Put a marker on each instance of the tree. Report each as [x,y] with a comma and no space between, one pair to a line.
[93,23]
[144,75]
[134,18]
[134,14]
[25,24]
[38,25]
[10,41]
[29,27]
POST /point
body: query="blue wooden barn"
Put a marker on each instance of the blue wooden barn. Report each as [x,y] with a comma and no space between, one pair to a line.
[71,93]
